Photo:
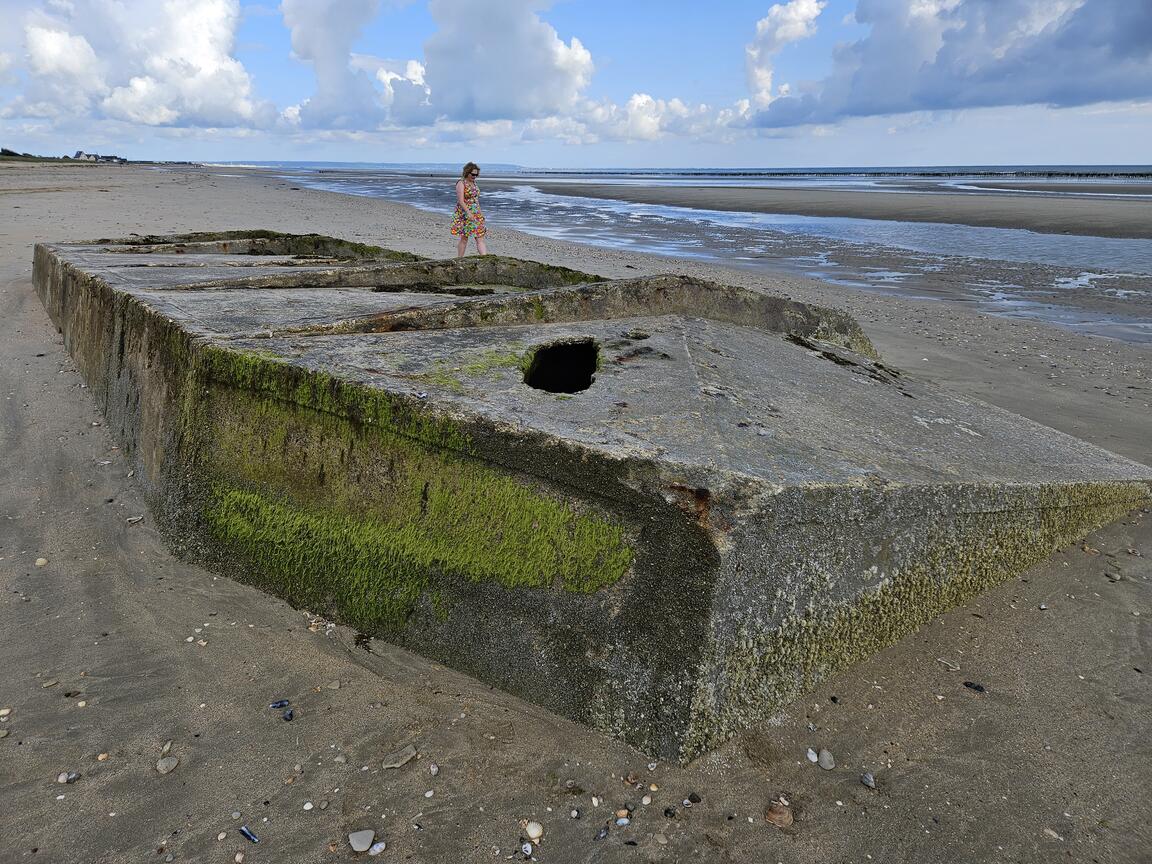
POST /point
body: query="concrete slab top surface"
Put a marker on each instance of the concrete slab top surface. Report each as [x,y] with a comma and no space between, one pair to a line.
[716,397]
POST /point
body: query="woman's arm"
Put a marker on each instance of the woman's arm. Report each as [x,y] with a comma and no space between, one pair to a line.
[460,194]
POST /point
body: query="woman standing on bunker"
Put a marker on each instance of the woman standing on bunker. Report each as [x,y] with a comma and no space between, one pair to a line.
[468,221]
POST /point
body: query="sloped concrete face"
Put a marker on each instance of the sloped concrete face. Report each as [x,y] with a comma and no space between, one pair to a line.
[659,506]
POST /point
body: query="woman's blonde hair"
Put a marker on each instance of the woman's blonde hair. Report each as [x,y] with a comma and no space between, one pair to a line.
[469,168]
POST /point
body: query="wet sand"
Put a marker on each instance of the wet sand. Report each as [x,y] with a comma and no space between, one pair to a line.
[1051,762]
[1096,217]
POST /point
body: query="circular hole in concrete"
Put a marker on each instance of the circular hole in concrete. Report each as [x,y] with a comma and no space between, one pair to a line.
[568,366]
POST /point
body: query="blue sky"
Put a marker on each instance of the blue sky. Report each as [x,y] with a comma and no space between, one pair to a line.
[583,83]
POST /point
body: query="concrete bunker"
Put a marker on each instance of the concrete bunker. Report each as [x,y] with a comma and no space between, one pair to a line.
[566,366]
[717,526]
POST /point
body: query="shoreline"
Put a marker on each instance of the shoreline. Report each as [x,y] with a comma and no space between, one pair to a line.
[1048,761]
[1119,218]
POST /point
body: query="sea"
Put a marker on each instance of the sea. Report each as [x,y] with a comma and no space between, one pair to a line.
[1095,285]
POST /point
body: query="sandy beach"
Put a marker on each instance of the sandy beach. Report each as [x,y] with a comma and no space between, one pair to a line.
[101,643]
[1003,209]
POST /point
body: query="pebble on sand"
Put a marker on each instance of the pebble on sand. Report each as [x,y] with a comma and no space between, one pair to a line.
[168,764]
[376,848]
[399,757]
[825,760]
[40,562]
[812,757]
[868,779]
[361,841]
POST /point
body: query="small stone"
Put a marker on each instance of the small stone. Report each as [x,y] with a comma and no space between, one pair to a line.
[694,798]
[5,712]
[341,759]
[67,777]
[623,821]
[51,682]
[376,848]
[429,793]
[652,766]
[670,812]
[235,814]
[399,757]
[103,757]
[646,800]
[868,780]
[3,733]
[222,835]
[973,686]
[307,805]
[190,639]
[574,813]
[534,831]
[40,562]
[333,685]
[601,834]
[812,757]
[167,748]
[83,703]
[623,813]
[169,858]
[168,764]
[360,841]
[825,760]
[662,839]
[238,858]
[779,814]
[433,768]
[323,805]
[526,850]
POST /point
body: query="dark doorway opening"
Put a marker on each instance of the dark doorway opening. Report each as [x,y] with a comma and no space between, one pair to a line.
[563,367]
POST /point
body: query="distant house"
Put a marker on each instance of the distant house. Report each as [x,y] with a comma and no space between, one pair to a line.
[81,156]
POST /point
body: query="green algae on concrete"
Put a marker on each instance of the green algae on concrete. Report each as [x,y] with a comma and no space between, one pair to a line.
[372,572]
[450,376]
[346,502]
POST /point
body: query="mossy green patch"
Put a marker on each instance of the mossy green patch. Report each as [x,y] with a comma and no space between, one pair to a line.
[362,510]
[449,376]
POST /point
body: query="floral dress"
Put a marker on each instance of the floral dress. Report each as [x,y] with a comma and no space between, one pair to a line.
[468,221]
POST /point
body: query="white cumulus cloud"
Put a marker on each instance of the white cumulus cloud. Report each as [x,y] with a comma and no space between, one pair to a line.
[152,63]
[784,23]
[497,59]
[322,34]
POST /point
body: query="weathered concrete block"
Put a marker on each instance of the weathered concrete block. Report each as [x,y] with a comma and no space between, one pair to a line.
[659,506]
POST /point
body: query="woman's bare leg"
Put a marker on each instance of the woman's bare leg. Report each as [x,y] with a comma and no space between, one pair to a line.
[481,246]
[462,246]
